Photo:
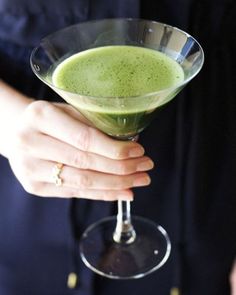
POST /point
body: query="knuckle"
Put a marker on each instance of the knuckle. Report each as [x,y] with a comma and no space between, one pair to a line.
[84,181]
[22,138]
[127,182]
[26,167]
[80,160]
[119,182]
[118,152]
[39,109]
[122,168]
[83,139]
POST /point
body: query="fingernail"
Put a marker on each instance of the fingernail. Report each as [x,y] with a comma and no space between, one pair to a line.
[145,165]
[136,152]
[142,181]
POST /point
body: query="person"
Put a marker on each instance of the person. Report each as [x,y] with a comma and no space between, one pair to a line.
[192,144]
[233,279]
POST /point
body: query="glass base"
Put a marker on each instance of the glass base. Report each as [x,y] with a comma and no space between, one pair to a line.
[103,255]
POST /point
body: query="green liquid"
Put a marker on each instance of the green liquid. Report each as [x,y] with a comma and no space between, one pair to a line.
[117,79]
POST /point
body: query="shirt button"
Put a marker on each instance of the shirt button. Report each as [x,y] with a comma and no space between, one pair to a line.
[174,291]
[72,280]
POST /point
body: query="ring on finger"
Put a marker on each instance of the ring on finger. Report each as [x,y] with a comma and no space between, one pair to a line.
[56,174]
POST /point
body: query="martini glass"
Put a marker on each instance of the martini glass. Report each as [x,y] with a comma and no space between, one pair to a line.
[122,246]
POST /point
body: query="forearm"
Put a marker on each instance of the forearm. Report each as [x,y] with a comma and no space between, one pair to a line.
[12,104]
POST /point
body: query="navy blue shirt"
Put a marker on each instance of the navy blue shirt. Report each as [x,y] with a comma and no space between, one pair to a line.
[192,141]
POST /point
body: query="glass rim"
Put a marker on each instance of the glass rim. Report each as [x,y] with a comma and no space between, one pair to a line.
[149,94]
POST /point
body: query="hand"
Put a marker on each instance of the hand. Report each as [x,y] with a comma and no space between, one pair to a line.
[233,279]
[95,165]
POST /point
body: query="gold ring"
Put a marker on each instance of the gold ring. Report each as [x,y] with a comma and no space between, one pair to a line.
[56,172]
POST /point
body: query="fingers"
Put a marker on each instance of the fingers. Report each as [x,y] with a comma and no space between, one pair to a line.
[58,151]
[86,179]
[38,179]
[54,121]
[50,190]
[95,165]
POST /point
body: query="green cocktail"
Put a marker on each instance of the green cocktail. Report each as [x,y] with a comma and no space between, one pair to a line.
[120,74]
[107,71]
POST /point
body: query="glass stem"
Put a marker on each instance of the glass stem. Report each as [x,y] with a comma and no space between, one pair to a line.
[124,231]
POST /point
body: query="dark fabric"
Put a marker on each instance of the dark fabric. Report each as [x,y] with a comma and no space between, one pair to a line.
[25,22]
[192,141]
